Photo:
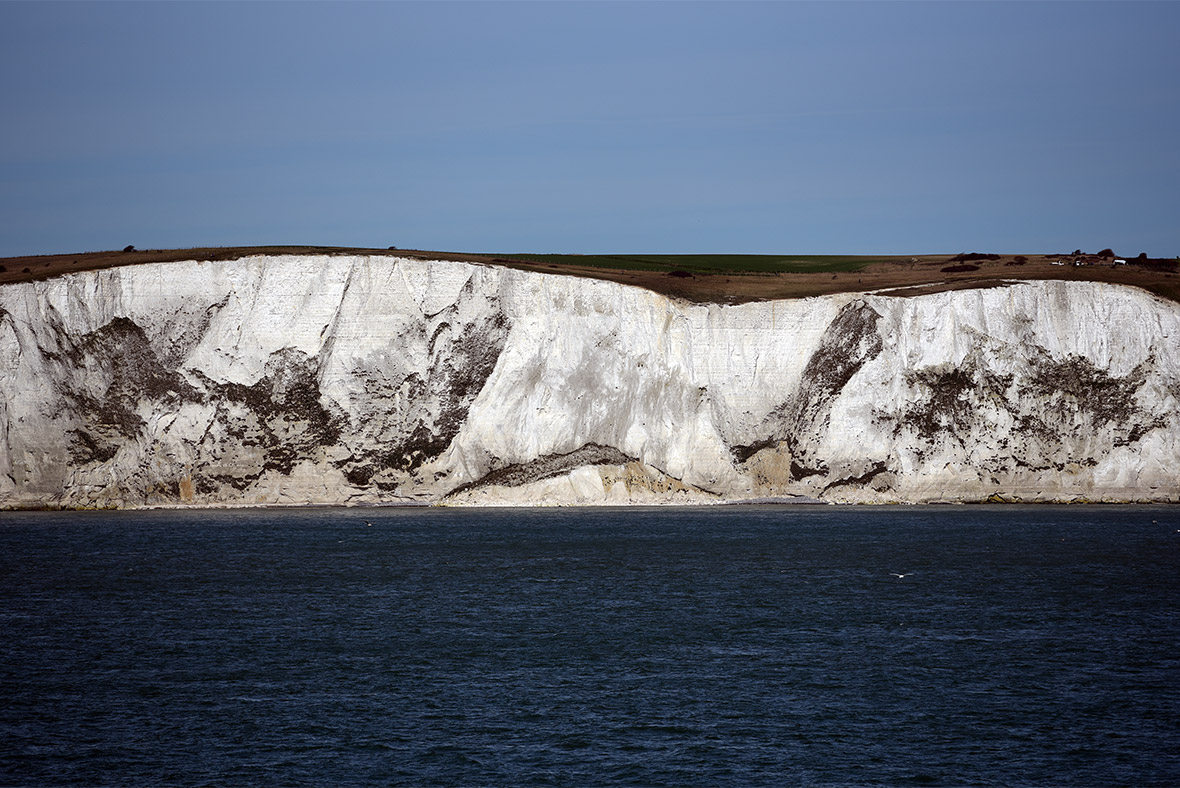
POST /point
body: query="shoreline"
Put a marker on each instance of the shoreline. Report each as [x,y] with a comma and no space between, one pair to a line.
[751,503]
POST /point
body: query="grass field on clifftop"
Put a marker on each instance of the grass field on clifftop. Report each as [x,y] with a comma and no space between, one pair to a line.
[709,263]
[701,278]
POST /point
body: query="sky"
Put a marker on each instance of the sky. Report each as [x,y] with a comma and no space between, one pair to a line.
[596,127]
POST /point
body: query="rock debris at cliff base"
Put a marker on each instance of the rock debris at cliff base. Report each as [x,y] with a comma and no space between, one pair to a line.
[363,380]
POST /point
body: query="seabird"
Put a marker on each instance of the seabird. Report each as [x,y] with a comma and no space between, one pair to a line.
[899,577]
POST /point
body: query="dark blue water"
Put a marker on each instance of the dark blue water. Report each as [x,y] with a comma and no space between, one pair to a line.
[716,647]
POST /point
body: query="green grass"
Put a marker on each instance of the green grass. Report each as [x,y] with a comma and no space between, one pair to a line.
[708,263]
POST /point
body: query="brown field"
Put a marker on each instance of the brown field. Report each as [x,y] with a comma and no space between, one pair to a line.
[901,275]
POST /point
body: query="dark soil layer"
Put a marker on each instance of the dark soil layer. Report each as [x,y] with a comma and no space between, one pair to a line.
[702,278]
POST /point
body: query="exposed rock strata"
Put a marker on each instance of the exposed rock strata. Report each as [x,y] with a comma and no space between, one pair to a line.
[364,380]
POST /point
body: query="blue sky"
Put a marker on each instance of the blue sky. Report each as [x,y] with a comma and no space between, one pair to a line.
[836,127]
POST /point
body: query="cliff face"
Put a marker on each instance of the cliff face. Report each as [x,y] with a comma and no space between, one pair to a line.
[352,380]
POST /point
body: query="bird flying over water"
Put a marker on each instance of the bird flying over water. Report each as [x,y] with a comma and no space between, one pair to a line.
[899,577]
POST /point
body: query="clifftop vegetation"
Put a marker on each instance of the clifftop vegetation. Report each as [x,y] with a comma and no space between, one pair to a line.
[706,277]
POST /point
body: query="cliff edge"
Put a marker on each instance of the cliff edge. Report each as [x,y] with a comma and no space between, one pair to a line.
[377,379]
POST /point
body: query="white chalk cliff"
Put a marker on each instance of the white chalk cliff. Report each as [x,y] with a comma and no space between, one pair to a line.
[336,380]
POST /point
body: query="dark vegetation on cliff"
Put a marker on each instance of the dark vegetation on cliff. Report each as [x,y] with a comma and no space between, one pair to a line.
[706,278]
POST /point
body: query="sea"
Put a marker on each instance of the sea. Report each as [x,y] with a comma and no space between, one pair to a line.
[710,646]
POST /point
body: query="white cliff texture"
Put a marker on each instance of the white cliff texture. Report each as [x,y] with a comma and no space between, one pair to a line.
[294,380]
